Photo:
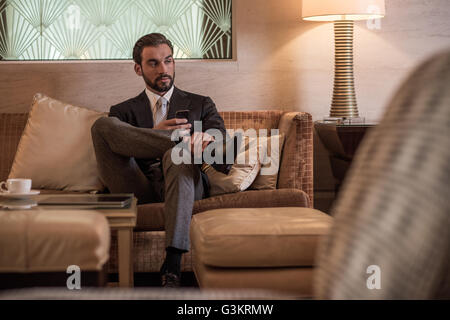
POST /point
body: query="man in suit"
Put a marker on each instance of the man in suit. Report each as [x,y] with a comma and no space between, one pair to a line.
[134,147]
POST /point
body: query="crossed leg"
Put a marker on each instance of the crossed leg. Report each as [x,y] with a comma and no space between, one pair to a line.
[116,145]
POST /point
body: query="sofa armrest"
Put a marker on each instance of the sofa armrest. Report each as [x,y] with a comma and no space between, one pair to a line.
[296,166]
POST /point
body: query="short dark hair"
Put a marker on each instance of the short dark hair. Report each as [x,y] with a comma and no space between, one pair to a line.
[149,40]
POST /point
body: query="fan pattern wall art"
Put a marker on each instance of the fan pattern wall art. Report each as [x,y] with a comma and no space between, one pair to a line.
[108,29]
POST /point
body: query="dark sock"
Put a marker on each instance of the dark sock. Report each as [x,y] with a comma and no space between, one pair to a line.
[172,263]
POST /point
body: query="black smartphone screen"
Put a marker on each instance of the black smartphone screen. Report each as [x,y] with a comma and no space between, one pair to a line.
[182,114]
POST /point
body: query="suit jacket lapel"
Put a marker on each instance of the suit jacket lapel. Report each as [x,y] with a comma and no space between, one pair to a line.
[144,109]
[178,101]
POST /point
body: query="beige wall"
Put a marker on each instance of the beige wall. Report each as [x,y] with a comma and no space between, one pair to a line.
[281,62]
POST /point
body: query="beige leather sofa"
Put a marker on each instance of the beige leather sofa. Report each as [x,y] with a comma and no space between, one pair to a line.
[294,189]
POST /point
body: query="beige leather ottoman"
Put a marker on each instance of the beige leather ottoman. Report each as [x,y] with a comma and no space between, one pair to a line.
[259,248]
[37,247]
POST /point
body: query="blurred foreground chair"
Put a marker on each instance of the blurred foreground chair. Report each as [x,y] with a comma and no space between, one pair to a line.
[394,209]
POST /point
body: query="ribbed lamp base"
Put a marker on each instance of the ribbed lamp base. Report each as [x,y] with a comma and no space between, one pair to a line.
[344,99]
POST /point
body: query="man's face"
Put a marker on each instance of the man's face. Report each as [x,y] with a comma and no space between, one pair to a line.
[157,68]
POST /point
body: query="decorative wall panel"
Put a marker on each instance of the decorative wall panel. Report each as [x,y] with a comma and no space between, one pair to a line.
[108,29]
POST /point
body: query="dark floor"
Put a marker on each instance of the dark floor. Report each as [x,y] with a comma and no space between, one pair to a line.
[152,279]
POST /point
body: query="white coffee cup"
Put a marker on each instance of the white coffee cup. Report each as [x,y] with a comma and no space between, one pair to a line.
[16,186]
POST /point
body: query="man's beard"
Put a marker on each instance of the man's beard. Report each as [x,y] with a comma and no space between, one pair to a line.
[160,88]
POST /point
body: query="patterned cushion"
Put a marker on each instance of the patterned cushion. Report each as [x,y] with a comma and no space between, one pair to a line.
[242,173]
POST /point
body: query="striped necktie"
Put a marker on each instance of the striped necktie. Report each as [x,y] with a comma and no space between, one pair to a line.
[161,110]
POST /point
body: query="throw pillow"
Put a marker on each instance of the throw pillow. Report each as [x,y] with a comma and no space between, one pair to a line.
[56,149]
[268,175]
[242,173]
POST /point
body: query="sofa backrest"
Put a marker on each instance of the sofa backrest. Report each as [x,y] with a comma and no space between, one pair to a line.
[12,125]
[11,128]
[251,119]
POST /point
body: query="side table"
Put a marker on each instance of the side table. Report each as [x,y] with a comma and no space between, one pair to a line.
[124,221]
[341,141]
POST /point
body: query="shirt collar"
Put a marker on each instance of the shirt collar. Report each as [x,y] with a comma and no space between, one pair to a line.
[153,97]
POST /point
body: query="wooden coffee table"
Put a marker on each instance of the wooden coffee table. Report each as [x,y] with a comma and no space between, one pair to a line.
[121,219]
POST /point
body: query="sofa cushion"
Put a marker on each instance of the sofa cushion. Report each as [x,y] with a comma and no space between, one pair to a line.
[242,173]
[150,216]
[268,175]
[56,149]
[258,237]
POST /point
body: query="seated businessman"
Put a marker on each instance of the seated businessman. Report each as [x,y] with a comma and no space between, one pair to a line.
[134,146]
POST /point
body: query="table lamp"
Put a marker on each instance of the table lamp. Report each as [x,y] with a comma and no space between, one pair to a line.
[343,13]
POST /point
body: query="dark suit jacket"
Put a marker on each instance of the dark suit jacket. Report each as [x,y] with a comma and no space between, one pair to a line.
[137,112]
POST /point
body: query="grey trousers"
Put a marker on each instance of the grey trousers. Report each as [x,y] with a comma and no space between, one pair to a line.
[118,143]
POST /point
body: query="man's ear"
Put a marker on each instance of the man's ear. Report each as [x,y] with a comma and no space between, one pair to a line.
[138,69]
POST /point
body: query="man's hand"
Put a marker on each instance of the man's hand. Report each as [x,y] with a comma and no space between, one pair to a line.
[173,124]
[198,142]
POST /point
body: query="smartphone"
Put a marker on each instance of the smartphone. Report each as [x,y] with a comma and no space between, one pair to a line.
[182,114]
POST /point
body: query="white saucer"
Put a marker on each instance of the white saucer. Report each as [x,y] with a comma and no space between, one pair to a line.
[18,207]
[7,194]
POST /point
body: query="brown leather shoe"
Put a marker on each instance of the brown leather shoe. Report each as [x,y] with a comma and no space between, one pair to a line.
[170,280]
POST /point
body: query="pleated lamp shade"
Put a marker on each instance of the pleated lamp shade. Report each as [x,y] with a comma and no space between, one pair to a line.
[332,10]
